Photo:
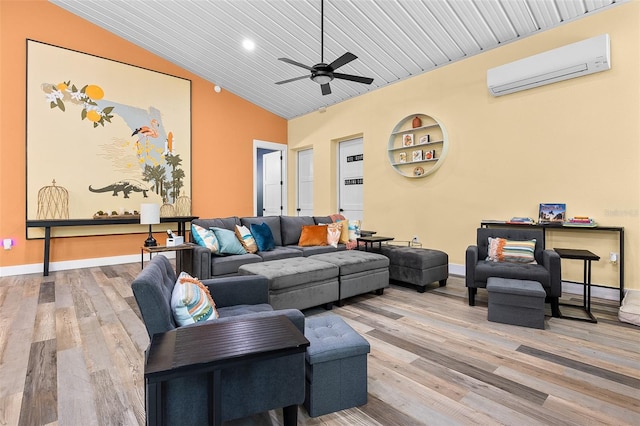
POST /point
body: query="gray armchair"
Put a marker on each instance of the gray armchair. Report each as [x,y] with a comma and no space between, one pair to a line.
[546,271]
[246,390]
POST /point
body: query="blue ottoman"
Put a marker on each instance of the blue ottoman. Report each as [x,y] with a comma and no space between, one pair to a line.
[336,366]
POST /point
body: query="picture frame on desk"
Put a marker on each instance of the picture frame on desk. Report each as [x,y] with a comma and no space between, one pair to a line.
[552,213]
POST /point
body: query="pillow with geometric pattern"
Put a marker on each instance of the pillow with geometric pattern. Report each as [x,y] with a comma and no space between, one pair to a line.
[503,250]
[205,238]
[191,301]
[246,239]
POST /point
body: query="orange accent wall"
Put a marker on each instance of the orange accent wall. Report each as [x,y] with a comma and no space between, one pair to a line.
[223,129]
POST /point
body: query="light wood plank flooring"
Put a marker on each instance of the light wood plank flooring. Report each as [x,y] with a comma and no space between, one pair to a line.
[71,353]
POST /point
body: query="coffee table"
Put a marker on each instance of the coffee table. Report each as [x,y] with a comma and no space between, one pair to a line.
[371,240]
[209,349]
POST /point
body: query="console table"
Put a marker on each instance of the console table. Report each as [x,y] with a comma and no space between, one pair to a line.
[47,224]
[209,349]
[554,227]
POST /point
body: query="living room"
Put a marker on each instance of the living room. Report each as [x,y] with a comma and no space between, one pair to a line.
[574,142]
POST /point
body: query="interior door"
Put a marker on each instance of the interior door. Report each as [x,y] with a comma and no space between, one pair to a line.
[350,179]
[305,183]
[272,184]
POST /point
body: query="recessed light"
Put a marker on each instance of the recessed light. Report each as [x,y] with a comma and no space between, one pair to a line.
[248,44]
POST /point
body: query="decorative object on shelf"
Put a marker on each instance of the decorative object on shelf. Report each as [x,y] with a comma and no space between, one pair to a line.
[403,139]
[183,206]
[552,213]
[53,202]
[417,122]
[418,171]
[581,221]
[167,210]
[150,215]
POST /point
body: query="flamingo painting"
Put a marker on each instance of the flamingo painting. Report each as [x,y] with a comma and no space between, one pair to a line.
[147,131]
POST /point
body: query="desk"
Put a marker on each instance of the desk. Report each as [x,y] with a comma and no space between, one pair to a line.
[587,257]
[370,241]
[552,227]
[208,349]
[180,250]
[47,224]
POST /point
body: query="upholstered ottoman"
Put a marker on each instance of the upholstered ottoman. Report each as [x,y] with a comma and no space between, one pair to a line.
[359,271]
[417,266]
[336,364]
[297,282]
[516,302]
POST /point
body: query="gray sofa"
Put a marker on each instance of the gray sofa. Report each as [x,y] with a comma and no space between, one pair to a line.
[286,232]
[546,270]
[259,387]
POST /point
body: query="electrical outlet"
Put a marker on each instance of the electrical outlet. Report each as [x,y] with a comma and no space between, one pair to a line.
[7,243]
[613,257]
[414,239]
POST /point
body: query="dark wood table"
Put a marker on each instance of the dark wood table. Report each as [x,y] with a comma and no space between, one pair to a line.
[587,257]
[47,224]
[209,349]
[371,240]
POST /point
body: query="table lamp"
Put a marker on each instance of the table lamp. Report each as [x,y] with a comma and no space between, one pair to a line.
[150,215]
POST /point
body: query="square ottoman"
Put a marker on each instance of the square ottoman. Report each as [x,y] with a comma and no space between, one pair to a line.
[417,266]
[336,366]
[516,302]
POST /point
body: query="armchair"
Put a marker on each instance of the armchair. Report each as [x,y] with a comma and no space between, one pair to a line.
[246,390]
[546,270]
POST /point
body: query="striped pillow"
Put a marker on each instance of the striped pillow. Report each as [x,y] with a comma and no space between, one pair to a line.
[191,301]
[503,250]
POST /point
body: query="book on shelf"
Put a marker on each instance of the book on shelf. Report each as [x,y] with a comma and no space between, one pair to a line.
[521,221]
[579,221]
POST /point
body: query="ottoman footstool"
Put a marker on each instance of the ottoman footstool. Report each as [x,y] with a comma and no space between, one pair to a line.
[297,282]
[359,271]
[336,366]
[516,302]
[417,266]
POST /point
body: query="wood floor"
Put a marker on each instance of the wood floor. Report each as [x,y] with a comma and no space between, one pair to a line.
[71,353]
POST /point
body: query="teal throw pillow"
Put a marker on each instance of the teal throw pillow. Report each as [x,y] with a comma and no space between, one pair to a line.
[228,241]
[263,236]
[205,238]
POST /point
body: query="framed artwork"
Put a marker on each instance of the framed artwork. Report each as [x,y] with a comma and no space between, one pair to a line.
[416,155]
[407,140]
[103,136]
[552,213]
[424,140]
[430,154]
[402,157]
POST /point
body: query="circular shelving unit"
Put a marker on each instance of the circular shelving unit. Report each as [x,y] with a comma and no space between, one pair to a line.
[417,152]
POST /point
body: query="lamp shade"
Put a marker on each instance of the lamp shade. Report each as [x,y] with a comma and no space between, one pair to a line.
[149,214]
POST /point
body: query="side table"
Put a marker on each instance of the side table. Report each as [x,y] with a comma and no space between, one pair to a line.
[587,257]
[371,240]
[183,255]
[207,349]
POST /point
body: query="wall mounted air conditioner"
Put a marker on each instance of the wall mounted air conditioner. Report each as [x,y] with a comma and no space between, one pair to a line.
[570,61]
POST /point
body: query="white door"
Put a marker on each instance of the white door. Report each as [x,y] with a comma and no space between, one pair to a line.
[272,184]
[305,183]
[350,179]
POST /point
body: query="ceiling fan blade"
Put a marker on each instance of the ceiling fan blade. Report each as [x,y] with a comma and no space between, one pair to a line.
[343,60]
[298,64]
[356,78]
[326,89]
[292,79]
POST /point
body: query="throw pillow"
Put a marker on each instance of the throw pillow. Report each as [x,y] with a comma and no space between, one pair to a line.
[205,238]
[344,234]
[246,239]
[334,230]
[191,301]
[228,241]
[354,229]
[503,250]
[263,236]
[313,235]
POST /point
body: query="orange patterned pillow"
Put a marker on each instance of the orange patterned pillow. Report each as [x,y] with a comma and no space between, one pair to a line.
[313,235]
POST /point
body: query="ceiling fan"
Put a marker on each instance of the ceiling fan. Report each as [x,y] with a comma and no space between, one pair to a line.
[323,73]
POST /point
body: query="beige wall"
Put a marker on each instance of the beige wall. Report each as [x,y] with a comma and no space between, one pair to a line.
[574,142]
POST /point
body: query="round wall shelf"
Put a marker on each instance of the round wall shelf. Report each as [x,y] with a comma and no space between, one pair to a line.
[417,152]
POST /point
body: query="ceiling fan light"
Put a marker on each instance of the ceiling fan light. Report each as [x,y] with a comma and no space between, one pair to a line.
[321,79]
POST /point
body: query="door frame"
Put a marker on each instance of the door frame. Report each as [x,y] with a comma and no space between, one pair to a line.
[257,180]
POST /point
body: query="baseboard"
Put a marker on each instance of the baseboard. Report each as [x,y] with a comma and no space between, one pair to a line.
[37,268]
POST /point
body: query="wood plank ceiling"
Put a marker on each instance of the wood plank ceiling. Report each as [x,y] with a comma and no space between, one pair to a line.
[393,39]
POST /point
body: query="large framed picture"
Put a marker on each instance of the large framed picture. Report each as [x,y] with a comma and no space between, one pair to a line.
[103,136]
[552,213]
